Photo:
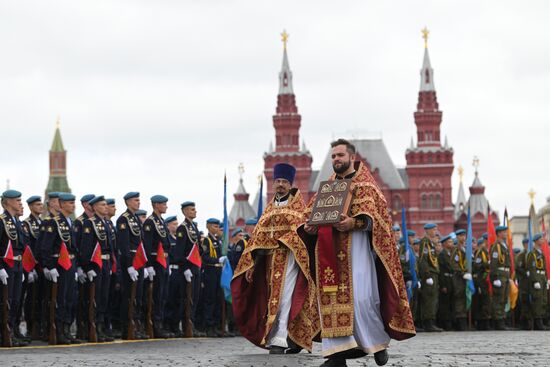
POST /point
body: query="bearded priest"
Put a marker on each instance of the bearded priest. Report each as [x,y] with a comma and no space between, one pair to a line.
[361,292]
[274,297]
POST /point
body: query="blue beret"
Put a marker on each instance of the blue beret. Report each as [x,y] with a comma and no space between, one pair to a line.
[110,201]
[171,218]
[11,194]
[446,238]
[185,204]
[96,199]
[141,212]
[395,228]
[455,241]
[416,242]
[525,241]
[517,251]
[158,199]
[480,240]
[131,195]
[64,196]
[251,222]
[410,232]
[33,199]
[86,198]
[401,240]
[430,225]
[213,221]
[537,237]
[485,236]
[460,231]
[53,195]
[500,228]
[285,171]
[236,232]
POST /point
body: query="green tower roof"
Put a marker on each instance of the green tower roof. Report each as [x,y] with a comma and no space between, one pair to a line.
[57,144]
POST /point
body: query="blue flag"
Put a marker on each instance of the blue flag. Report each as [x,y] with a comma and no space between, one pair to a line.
[260,199]
[225,218]
[530,235]
[470,287]
[409,253]
[225,282]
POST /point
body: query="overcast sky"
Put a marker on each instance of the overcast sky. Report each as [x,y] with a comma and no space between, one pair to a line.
[163,96]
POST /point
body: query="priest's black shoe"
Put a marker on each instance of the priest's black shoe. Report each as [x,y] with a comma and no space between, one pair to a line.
[335,362]
[381,357]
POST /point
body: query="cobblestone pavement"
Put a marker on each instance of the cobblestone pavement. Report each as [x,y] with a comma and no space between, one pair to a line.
[511,348]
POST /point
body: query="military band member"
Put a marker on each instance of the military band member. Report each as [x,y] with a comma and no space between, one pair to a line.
[11,251]
[428,267]
[129,238]
[445,309]
[173,311]
[459,279]
[157,247]
[60,251]
[526,316]
[78,223]
[538,282]
[500,277]
[480,269]
[96,253]
[113,314]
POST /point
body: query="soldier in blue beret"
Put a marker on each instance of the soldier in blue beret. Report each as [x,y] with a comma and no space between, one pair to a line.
[157,246]
[236,247]
[12,238]
[525,313]
[112,317]
[249,226]
[500,277]
[446,285]
[59,237]
[480,273]
[129,242]
[429,272]
[396,233]
[460,277]
[142,215]
[185,274]
[537,278]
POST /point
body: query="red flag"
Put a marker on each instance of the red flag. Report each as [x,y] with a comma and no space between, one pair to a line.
[194,256]
[491,239]
[29,262]
[140,259]
[546,249]
[8,255]
[160,255]
[64,260]
[96,256]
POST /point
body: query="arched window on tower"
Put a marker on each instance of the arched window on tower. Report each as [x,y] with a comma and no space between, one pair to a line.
[427,74]
[397,203]
[424,201]
[437,201]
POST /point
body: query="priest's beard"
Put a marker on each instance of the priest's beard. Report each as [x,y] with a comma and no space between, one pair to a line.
[340,168]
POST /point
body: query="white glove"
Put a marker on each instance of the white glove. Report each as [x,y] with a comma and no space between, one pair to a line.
[222,259]
[22,278]
[419,285]
[145,273]
[408,284]
[81,276]
[188,275]
[47,274]
[151,272]
[467,276]
[548,282]
[169,271]
[133,273]
[54,274]
[4,276]
[91,275]
[429,281]
[497,283]
[536,285]
[32,276]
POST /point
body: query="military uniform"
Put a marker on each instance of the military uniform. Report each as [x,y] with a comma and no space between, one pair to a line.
[129,238]
[537,281]
[458,266]
[500,276]
[428,266]
[446,288]
[526,316]
[33,289]
[211,254]
[112,321]
[480,273]
[156,242]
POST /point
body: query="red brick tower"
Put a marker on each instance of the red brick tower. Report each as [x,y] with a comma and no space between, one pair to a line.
[429,164]
[286,122]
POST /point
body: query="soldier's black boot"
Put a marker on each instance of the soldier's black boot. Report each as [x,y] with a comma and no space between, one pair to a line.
[69,336]
[461,325]
[101,335]
[210,332]
[381,357]
[525,325]
[430,327]
[61,338]
[198,333]
[19,335]
[539,325]
[175,329]
[448,325]
[158,332]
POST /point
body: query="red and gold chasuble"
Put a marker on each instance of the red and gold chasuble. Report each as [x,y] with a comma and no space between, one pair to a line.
[337,309]
[256,303]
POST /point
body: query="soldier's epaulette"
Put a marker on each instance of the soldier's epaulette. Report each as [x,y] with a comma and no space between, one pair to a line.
[3,216]
[80,218]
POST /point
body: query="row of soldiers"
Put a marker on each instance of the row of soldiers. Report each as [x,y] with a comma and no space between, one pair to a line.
[439,300]
[141,277]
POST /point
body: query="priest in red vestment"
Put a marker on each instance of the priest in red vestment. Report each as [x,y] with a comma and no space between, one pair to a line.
[361,292]
[274,298]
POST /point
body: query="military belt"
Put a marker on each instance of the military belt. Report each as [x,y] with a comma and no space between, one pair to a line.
[215,265]
[447,274]
[106,257]
[71,256]
[175,267]
[133,251]
[155,254]
[15,258]
[541,271]
[502,268]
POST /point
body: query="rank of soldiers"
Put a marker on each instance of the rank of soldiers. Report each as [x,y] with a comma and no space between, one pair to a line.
[72,279]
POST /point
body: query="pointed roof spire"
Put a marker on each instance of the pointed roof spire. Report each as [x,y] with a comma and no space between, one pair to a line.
[57,144]
[285,76]
[426,73]
[460,206]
